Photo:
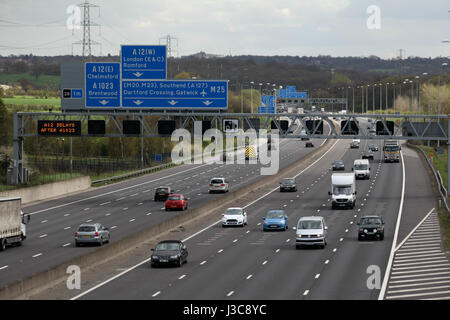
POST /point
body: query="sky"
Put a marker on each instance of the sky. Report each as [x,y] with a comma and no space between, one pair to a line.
[236,27]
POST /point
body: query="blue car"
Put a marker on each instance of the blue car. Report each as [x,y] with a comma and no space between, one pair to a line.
[275,220]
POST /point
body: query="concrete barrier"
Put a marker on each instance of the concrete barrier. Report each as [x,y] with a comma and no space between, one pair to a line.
[54,275]
[49,190]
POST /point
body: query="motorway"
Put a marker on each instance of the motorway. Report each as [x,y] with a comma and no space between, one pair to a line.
[125,208]
[247,263]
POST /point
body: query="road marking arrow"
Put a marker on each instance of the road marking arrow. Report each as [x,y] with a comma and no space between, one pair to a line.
[173,102]
[207,102]
[103,102]
[138,102]
[138,74]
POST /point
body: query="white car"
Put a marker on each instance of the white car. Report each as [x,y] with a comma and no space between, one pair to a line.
[311,231]
[218,185]
[234,217]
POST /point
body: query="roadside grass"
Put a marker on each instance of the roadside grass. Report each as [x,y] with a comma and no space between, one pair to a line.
[43,81]
[41,179]
[440,163]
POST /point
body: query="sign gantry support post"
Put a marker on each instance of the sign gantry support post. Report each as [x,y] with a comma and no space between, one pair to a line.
[18,177]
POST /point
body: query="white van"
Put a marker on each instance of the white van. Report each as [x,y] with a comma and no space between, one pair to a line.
[343,190]
[361,167]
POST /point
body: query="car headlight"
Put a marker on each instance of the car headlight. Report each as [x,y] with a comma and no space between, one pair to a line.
[319,235]
[174,257]
[155,257]
[365,231]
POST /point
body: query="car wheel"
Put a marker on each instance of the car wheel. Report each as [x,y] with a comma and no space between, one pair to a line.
[359,238]
[77,244]
[382,236]
[100,242]
[167,209]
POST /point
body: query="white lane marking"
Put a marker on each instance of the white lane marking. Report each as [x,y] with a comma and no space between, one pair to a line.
[346,230]
[419,280]
[156,294]
[220,251]
[4,267]
[37,255]
[105,203]
[288,240]
[115,191]
[415,228]
[264,262]
[43,236]
[44,221]
[197,233]
[418,284]
[132,220]
[87,221]
[67,214]
[145,191]
[140,204]
[125,209]
[86,209]
[394,241]
[248,231]
[418,294]
[249,276]
[327,261]
[67,244]
[134,194]
[306,292]
[203,262]
[230,293]
[181,277]
[235,240]
[148,214]
[107,214]
[341,239]
[278,250]
[66,228]
[113,227]
[120,198]
[335,249]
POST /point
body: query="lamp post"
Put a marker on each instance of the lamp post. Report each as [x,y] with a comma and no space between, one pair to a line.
[251,96]
[439,94]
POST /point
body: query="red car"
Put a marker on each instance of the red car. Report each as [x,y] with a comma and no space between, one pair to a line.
[176,201]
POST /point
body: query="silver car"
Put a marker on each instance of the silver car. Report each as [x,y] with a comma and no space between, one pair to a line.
[218,185]
[311,231]
[92,233]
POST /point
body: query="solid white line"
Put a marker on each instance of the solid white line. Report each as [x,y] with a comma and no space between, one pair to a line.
[394,241]
[399,255]
[419,257]
[434,247]
[423,267]
[195,234]
[4,267]
[420,279]
[417,295]
[419,263]
[417,284]
[421,271]
[420,275]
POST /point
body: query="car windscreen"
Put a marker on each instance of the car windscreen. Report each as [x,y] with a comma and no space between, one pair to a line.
[309,224]
[347,190]
[338,163]
[391,148]
[288,181]
[174,198]
[376,221]
[216,181]
[275,214]
[233,212]
[361,167]
[162,190]
[170,246]
[86,229]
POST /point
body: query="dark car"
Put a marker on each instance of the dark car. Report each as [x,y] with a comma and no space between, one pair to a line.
[309,145]
[338,165]
[367,154]
[371,227]
[169,252]
[162,193]
[373,147]
[288,184]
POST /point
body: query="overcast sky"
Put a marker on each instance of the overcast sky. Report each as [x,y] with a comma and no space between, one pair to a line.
[256,27]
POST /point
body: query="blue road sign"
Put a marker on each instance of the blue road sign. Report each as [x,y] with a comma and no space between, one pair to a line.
[144,62]
[175,94]
[158,157]
[289,94]
[102,84]
[266,109]
[268,101]
[77,93]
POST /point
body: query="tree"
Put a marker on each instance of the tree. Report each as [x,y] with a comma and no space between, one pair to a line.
[5,125]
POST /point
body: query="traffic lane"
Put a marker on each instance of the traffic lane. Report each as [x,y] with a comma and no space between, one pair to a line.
[202,254]
[219,244]
[419,196]
[347,274]
[63,235]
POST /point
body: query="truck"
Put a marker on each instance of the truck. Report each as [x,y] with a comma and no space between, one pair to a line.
[343,190]
[391,151]
[12,222]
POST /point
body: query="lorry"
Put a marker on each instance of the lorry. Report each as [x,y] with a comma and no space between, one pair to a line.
[343,190]
[12,222]
[391,151]
[361,167]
